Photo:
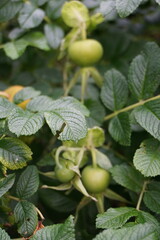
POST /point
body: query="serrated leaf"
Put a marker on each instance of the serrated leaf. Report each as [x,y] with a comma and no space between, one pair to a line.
[57,232]
[97,113]
[120,129]
[14,154]
[15,49]
[9,9]
[128,177]
[54,35]
[102,160]
[6,183]
[75,124]
[148,116]
[38,40]
[24,122]
[144,72]
[114,90]
[28,182]
[147,217]
[44,103]
[6,107]
[147,158]
[4,235]
[25,93]
[26,217]
[108,9]
[30,16]
[151,200]
[126,7]
[138,232]
[115,217]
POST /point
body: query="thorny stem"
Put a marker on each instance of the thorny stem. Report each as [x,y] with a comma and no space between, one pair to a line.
[128,108]
[141,195]
[72,82]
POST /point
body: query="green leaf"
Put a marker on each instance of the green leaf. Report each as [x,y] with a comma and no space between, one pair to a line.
[102,160]
[151,200]
[45,104]
[108,9]
[144,72]
[147,217]
[126,7]
[120,129]
[57,232]
[26,217]
[4,235]
[54,35]
[30,16]
[14,154]
[138,232]
[15,49]
[37,39]
[6,183]
[6,107]
[75,14]
[97,113]
[115,90]
[148,116]
[115,217]
[9,9]
[57,201]
[28,182]
[24,122]
[158,1]
[128,177]
[25,93]
[147,158]
[75,124]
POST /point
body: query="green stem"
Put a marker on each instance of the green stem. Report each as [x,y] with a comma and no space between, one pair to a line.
[141,195]
[14,198]
[128,108]
[94,160]
[72,82]
[83,31]
[46,18]
[85,75]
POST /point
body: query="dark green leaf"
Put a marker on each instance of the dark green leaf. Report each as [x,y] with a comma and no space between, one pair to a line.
[9,9]
[54,35]
[148,116]
[28,182]
[128,177]
[26,217]
[151,200]
[126,7]
[4,235]
[6,183]
[14,154]
[147,158]
[115,90]
[120,130]
[115,217]
[57,232]
[144,72]
[30,16]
